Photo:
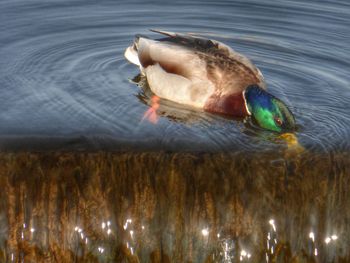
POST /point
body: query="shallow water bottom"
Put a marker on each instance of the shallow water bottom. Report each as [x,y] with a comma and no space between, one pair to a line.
[174,207]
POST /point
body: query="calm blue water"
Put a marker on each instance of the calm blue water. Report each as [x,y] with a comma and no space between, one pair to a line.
[65,83]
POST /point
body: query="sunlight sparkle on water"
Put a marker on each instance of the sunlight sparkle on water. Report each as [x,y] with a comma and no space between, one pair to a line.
[272,223]
[244,254]
[128,221]
[312,236]
[205,232]
[331,238]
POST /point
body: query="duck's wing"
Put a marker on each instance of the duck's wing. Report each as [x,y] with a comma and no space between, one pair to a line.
[215,50]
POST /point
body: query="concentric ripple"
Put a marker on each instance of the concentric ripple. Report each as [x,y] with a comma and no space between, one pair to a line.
[63,74]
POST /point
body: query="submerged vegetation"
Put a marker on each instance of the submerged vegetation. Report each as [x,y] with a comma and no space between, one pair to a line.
[174,207]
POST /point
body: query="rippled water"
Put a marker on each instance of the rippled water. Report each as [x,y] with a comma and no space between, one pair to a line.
[213,188]
[65,83]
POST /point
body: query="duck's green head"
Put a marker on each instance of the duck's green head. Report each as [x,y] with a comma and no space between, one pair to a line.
[269,112]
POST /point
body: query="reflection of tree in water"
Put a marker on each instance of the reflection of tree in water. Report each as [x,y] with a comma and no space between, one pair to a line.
[175,207]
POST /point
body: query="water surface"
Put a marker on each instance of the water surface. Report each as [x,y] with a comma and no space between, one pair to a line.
[64,78]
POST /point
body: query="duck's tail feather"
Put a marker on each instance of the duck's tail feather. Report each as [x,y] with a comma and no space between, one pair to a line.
[131,53]
[187,39]
[166,33]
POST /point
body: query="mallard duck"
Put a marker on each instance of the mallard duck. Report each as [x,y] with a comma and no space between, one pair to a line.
[208,74]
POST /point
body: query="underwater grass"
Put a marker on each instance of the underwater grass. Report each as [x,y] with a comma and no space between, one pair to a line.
[182,207]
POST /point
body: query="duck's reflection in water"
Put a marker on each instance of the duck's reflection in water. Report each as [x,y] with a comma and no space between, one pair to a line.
[174,208]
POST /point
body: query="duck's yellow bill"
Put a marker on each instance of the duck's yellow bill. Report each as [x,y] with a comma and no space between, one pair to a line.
[292,141]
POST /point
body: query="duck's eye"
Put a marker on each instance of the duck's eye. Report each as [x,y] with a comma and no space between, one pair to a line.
[278,121]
